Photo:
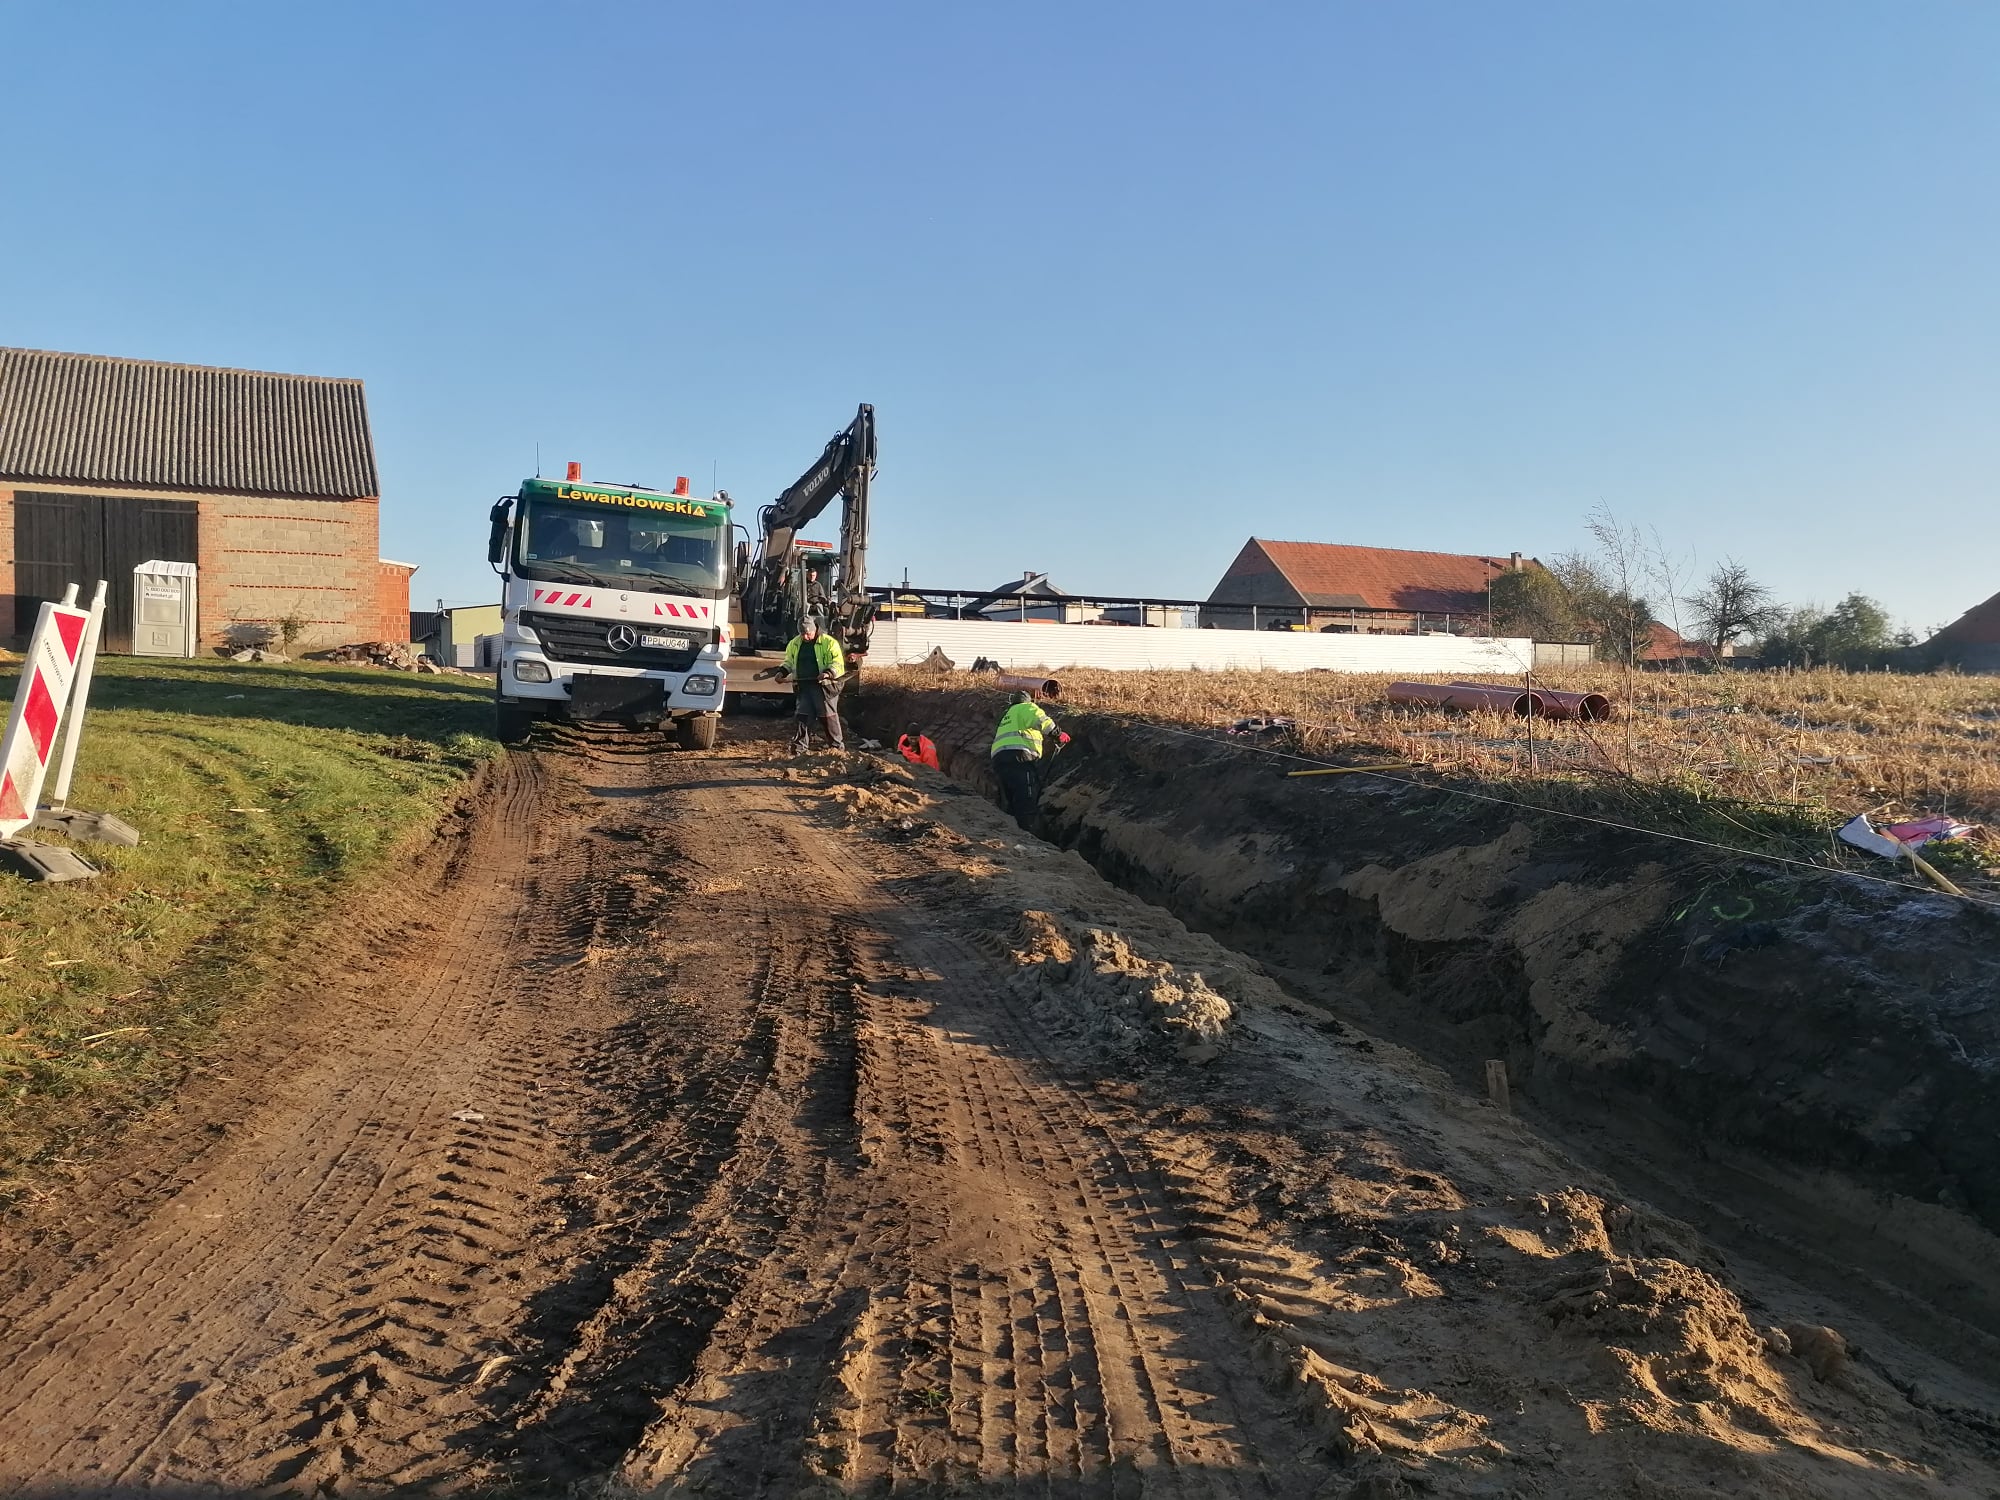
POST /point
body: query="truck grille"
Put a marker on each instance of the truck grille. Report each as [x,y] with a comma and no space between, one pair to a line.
[575,638]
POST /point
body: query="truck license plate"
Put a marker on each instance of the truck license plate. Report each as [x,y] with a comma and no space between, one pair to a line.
[665,642]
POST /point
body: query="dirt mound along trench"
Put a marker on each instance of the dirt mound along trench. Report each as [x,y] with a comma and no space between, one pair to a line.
[1824,1058]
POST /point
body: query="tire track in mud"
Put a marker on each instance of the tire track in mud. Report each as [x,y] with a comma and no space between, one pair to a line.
[256,1226]
[999,1301]
[343,1320]
[678,1147]
[418,1316]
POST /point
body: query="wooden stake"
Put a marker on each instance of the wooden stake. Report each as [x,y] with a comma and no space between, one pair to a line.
[1496,1086]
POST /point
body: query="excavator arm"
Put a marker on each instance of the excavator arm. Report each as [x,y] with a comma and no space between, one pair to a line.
[777,591]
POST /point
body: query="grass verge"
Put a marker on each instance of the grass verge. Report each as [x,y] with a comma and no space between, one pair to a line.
[263,793]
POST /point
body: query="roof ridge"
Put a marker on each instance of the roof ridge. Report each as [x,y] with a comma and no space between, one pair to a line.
[1492,557]
[170,364]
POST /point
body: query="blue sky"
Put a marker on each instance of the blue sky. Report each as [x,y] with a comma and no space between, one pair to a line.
[1125,283]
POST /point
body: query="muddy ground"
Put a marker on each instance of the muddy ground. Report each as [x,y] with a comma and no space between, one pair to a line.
[705,1123]
[1806,1066]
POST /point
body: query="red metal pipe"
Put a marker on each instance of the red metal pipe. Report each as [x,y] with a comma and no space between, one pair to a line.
[1576,705]
[1470,695]
[1556,705]
[1041,687]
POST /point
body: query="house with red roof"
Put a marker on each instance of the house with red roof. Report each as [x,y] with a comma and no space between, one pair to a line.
[1664,644]
[1370,590]
[1972,641]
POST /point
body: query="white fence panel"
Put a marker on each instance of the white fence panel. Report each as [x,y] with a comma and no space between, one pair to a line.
[1124,649]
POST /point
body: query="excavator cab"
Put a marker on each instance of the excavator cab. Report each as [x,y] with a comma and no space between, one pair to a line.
[789,577]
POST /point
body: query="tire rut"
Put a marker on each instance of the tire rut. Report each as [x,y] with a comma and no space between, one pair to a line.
[1005,1299]
[680,1147]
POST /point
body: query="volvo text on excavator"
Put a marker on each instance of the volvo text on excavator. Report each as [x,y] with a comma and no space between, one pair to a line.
[789,577]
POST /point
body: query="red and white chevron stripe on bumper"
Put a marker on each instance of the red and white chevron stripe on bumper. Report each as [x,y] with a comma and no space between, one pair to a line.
[39,705]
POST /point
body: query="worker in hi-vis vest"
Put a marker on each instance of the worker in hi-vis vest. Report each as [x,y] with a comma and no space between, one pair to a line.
[816,665]
[1017,752]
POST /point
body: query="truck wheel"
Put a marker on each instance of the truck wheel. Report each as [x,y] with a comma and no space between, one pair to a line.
[697,731]
[512,724]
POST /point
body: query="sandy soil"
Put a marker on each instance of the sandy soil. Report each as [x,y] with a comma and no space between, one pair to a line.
[714,1125]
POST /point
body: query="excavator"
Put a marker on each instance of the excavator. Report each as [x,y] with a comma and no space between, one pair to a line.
[789,577]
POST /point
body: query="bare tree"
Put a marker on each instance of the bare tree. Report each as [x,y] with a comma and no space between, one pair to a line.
[1621,565]
[1670,573]
[1732,605]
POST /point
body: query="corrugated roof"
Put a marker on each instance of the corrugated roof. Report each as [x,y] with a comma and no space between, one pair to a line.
[1327,575]
[93,419]
[1978,626]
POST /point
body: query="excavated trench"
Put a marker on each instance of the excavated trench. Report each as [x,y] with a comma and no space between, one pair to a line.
[1803,1066]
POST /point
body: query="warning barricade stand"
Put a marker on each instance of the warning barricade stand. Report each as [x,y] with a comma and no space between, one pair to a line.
[56,814]
[54,680]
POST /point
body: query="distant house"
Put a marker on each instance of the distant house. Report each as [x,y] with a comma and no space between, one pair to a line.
[1664,645]
[266,482]
[1378,590]
[1031,597]
[1971,642]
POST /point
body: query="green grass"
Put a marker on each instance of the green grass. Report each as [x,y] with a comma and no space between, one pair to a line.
[262,793]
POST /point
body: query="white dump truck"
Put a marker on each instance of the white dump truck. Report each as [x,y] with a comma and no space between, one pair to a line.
[614,607]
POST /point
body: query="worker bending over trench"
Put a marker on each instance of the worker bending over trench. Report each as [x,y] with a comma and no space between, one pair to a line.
[1017,755]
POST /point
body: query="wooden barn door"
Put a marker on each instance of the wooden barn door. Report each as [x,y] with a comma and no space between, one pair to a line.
[60,539]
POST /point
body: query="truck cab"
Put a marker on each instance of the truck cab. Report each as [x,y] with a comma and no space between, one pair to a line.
[614,607]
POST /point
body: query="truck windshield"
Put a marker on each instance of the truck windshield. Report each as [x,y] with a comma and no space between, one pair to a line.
[602,544]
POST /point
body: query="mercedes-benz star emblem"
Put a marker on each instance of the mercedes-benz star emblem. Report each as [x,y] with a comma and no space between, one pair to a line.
[621,637]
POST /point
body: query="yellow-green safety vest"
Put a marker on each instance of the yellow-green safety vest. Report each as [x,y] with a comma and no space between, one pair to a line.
[825,647]
[1022,728]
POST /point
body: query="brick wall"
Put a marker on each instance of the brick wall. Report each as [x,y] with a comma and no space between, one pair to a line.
[392,601]
[264,560]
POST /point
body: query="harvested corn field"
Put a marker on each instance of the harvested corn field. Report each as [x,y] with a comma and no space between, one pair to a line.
[1766,760]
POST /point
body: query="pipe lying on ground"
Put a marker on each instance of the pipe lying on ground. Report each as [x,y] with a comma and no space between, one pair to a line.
[1041,687]
[1558,705]
[1504,700]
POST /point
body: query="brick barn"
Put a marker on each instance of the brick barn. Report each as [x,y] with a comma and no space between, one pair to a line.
[266,482]
[1372,590]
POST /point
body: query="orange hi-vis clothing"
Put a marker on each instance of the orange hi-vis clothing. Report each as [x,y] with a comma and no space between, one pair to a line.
[919,751]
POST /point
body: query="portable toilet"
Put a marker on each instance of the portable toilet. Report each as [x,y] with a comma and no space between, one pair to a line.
[163,615]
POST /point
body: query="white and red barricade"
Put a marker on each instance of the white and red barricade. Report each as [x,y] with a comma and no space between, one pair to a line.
[47,675]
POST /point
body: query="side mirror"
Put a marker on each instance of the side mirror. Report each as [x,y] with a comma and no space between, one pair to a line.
[496,539]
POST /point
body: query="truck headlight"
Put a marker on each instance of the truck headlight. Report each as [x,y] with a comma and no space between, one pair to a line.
[531,671]
[698,687]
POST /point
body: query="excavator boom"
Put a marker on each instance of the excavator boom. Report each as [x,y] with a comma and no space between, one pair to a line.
[778,589]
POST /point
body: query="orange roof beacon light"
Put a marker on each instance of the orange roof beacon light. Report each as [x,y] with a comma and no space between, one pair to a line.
[575,472]
[680,484]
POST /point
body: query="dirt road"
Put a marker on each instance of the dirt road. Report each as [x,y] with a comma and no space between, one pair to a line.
[700,1124]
